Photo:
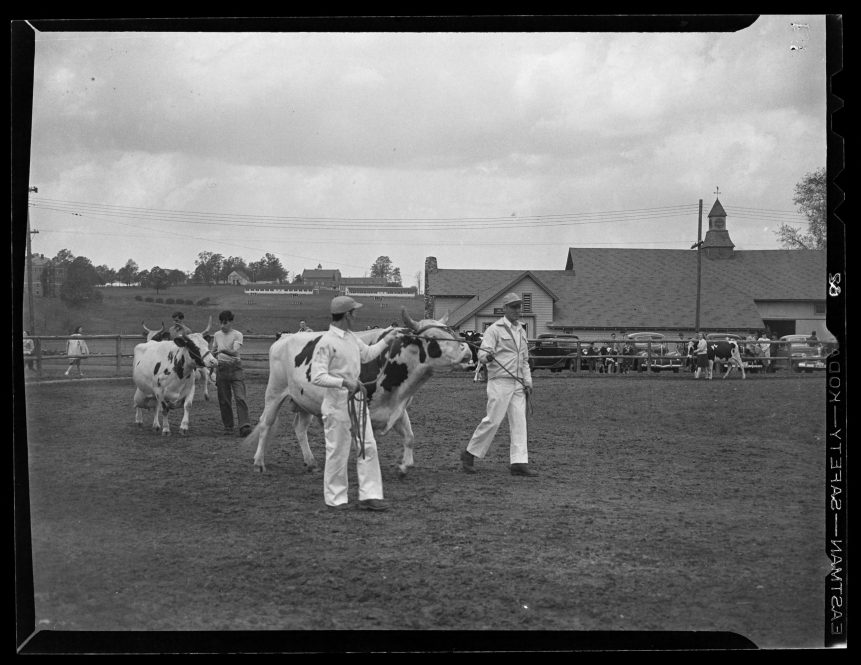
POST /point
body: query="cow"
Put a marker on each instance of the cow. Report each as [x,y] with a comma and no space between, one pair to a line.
[391,381]
[162,334]
[725,351]
[165,375]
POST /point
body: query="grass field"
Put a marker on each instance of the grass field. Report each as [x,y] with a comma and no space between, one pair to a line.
[120,313]
[662,504]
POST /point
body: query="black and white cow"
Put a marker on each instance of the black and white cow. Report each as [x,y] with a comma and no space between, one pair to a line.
[725,351]
[391,381]
[163,334]
[164,374]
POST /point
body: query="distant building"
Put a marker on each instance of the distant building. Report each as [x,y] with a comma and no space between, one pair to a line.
[238,276]
[320,278]
[41,284]
[363,281]
[610,290]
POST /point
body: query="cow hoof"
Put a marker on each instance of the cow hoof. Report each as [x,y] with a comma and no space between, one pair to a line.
[183,432]
[165,433]
[259,469]
[311,468]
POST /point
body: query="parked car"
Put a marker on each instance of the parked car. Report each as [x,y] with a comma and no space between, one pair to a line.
[800,355]
[553,352]
[654,351]
[752,362]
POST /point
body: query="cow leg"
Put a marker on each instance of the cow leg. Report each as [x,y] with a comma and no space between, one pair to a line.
[268,420]
[186,408]
[301,423]
[404,427]
[141,403]
[165,422]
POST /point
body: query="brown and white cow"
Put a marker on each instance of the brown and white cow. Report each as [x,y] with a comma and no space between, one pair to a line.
[164,374]
[391,381]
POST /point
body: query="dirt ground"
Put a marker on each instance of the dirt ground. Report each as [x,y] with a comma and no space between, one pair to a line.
[662,504]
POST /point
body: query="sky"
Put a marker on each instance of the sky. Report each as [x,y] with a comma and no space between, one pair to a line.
[489,150]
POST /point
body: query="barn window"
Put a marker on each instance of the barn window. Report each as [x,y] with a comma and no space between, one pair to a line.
[819,308]
[527,302]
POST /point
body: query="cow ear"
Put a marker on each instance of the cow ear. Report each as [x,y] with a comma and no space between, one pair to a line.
[181,341]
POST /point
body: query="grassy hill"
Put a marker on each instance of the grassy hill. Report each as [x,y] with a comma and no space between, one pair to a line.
[120,313]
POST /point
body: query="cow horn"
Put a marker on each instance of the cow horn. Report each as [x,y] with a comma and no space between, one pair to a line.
[408,319]
[208,326]
[444,319]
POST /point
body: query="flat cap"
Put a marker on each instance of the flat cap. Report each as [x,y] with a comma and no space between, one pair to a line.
[510,299]
[342,304]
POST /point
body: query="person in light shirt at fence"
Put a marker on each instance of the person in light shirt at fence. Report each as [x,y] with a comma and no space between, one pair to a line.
[77,350]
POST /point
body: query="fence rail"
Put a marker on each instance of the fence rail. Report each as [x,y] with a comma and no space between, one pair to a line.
[113,353]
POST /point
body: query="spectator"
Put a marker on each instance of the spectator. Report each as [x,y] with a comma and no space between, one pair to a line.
[702,358]
[764,350]
[813,340]
[178,329]
[750,344]
[77,350]
[29,347]
[303,327]
[230,379]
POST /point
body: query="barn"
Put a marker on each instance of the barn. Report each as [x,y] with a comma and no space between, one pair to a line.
[601,290]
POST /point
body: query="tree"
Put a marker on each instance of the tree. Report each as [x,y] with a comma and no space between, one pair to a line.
[208,267]
[176,276]
[418,277]
[81,276]
[297,278]
[273,269]
[395,277]
[106,275]
[64,256]
[810,198]
[382,267]
[128,274]
[158,279]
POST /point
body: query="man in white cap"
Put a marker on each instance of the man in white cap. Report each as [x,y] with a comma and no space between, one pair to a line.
[505,353]
[336,365]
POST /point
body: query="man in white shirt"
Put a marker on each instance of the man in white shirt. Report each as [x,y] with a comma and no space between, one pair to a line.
[230,379]
[336,365]
[505,352]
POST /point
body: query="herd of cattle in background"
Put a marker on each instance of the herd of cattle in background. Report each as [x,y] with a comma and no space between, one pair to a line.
[165,371]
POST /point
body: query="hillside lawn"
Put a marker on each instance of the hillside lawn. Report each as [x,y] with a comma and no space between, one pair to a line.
[120,313]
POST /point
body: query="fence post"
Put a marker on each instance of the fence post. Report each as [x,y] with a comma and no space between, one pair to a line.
[39,357]
[119,351]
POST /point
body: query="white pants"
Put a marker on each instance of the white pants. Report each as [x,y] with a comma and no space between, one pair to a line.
[336,425]
[504,396]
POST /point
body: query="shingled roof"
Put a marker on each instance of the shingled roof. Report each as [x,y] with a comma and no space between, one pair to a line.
[651,288]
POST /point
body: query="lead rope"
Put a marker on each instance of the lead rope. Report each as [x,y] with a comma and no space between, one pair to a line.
[358,418]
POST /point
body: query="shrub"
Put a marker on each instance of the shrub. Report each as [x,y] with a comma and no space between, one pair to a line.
[148,299]
[168,301]
[189,302]
[203,302]
[159,300]
[139,297]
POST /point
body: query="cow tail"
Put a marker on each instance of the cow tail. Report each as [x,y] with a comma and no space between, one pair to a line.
[269,416]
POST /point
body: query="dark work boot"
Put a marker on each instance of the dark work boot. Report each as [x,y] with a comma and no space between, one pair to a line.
[467,459]
[522,470]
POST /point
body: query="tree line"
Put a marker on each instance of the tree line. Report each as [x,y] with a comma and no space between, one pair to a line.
[81,276]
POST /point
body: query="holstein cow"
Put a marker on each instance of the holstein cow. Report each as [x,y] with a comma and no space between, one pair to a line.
[164,374]
[207,374]
[724,350]
[391,381]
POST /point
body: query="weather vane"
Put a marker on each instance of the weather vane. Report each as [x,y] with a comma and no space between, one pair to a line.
[717,191]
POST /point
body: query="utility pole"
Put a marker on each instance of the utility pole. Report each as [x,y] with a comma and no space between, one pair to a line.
[699,246]
[32,324]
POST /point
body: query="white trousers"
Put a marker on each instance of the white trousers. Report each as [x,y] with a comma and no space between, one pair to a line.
[336,425]
[504,396]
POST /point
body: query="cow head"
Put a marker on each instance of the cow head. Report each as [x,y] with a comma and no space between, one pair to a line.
[155,335]
[435,339]
[198,347]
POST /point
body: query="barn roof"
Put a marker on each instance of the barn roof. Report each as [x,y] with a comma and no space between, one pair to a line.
[320,274]
[650,288]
